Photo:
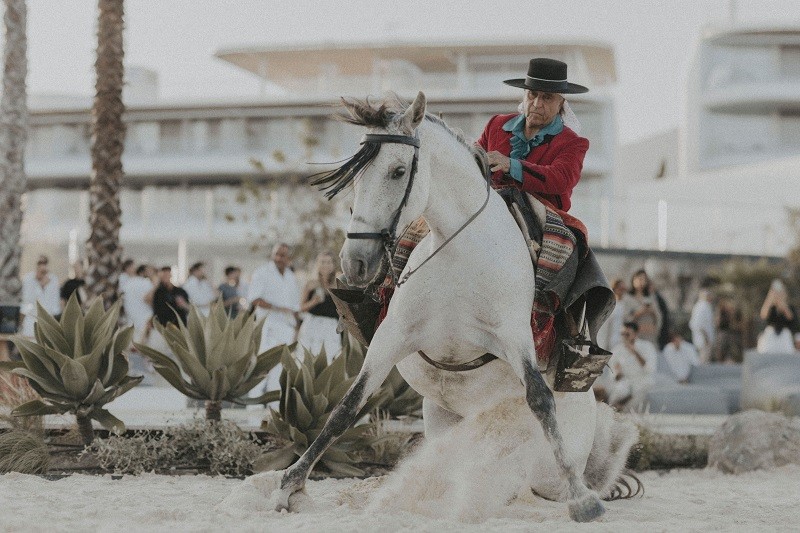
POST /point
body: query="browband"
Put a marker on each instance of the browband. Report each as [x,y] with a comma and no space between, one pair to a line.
[386,138]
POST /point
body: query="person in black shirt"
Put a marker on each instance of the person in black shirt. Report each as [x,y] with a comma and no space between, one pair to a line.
[321,319]
[169,300]
[74,284]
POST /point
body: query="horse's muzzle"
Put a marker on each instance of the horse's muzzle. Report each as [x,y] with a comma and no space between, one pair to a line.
[361,261]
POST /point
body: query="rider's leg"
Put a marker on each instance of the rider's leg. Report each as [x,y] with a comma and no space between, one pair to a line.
[386,350]
[584,505]
[437,419]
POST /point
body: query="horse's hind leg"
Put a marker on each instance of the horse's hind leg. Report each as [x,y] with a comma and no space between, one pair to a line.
[384,352]
[584,505]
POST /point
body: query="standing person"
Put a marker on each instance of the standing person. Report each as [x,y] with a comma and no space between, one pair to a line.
[321,319]
[665,331]
[199,289]
[701,323]
[681,356]
[610,333]
[727,346]
[128,273]
[75,284]
[781,320]
[641,307]
[137,300]
[275,295]
[634,366]
[170,302]
[39,286]
[229,290]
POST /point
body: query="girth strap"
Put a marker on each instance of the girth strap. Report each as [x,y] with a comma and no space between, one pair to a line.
[471,365]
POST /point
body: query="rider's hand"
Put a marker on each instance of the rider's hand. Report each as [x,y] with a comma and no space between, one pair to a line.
[498,161]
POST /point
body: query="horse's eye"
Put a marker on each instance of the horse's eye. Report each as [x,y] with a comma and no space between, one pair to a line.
[398,173]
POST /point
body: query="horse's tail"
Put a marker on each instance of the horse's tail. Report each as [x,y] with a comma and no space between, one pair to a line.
[627,486]
[606,470]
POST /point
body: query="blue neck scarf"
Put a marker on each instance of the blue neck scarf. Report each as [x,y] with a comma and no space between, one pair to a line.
[521,146]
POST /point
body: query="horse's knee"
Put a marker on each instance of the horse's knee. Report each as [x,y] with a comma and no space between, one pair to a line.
[539,396]
[437,419]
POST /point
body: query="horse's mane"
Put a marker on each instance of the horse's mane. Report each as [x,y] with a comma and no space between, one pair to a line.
[371,114]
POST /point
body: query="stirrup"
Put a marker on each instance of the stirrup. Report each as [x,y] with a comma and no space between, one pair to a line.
[577,367]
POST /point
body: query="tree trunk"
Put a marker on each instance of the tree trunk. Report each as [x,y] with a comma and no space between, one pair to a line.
[86,429]
[103,249]
[13,136]
[213,410]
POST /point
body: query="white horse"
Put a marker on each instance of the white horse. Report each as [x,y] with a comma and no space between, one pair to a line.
[473,296]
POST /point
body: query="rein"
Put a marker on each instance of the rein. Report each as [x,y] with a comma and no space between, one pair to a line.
[388,235]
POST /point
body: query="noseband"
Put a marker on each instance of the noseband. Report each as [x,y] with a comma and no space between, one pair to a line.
[387,235]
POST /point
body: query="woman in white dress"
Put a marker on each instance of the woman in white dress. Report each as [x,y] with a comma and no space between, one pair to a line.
[320,318]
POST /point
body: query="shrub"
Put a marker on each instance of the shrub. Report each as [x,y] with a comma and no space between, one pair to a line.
[76,365]
[23,451]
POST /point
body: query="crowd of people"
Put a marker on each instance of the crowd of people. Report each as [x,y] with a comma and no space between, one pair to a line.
[149,294]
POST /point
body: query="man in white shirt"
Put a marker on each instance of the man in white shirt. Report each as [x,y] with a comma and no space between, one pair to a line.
[138,310]
[275,295]
[681,356]
[634,366]
[702,324]
[39,286]
[201,292]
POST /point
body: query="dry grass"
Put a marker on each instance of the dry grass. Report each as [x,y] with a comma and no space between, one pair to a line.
[14,391]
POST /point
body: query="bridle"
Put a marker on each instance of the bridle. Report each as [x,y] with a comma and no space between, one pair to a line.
[388,236]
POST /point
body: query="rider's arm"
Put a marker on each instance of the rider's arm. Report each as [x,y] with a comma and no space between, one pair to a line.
[560,176]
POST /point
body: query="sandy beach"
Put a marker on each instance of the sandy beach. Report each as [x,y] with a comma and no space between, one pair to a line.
[681,500]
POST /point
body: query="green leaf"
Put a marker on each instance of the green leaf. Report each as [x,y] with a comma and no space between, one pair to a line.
[50,331]
[342,469]
[240,371]
[75,380]
[11,365]
[122,340]
[196,337]
[267,397]
[303,418]
[127,383]
[158,358]
[119,367]
[46,386]
[275,460]
[107,420]
[193,367]
[220,386]
[36,408]
[95,394]
[92,319]
[69,321]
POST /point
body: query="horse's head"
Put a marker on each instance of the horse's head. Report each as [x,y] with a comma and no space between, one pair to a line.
[392,186]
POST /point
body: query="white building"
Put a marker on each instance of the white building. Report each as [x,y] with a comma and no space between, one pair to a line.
[726,181]
[185,162]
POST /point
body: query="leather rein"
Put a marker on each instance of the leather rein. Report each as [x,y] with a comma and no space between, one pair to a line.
[388,237]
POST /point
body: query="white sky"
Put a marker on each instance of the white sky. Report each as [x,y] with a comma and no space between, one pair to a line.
[654,40]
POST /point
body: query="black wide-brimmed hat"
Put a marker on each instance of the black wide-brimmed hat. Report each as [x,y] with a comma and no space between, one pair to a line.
[548,75]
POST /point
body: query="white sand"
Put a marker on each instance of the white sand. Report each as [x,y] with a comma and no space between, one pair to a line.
[686,500]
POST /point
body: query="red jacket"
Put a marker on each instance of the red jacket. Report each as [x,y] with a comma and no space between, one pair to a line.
[550,171]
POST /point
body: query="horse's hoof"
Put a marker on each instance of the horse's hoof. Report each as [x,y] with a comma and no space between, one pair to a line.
[282,500]
[586,509]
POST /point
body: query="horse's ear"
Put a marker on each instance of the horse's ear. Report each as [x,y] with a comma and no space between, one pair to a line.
[414,114]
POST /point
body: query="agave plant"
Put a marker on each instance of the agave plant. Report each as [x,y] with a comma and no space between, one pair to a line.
[310,390]
[77,365]
[217,358]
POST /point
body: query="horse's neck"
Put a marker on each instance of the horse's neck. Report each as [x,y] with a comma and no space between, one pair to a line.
[457,189]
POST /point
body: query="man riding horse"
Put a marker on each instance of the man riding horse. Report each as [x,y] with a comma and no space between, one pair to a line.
[535,158]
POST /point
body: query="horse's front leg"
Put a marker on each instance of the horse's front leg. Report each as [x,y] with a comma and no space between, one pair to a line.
[386,350]
[584,505]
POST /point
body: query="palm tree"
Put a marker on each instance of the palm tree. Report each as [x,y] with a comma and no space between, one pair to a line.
[13,135]
[103,249]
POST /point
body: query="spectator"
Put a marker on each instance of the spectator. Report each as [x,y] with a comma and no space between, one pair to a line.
[229,290]
[321,319]
[276,297]
[642,307]
[76,284]
[137,300]
[39,286]
[634,366]
[681,356]
[128,273]
[170,303]
[727,347]
[611,330]
[781,320]
[702,324]
[200,291]
[665,329]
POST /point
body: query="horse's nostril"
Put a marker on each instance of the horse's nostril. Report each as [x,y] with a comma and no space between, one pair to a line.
[361,268]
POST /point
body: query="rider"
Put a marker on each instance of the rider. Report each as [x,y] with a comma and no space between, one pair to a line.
[537,150]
